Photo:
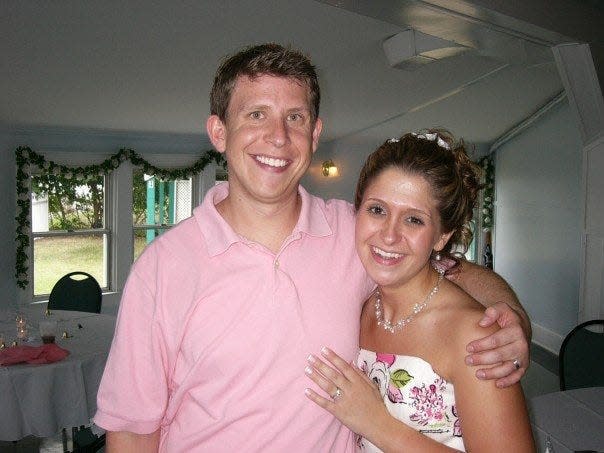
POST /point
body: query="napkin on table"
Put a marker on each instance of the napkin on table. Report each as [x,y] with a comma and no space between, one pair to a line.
[46,353]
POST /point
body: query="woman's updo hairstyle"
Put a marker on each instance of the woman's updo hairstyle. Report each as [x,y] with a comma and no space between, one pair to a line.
[445,165]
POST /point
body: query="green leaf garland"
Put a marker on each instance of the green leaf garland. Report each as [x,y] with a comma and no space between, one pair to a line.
[27,160]
[488,196]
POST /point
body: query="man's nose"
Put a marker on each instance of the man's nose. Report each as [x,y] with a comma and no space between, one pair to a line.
[278,134]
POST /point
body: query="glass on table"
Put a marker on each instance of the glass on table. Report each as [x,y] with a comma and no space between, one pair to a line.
[48,331]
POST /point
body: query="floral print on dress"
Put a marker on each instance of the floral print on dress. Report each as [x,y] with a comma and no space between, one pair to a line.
[388,382]
[428,402]
[457,424]
[414,394]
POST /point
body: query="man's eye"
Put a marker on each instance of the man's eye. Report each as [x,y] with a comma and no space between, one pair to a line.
[415,220]
[294,117]
[256,115]
[375,210]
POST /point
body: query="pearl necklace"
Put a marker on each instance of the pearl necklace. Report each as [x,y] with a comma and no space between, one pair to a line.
[417,308]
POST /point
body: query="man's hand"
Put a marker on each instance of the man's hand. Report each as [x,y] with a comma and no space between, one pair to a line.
[507,349]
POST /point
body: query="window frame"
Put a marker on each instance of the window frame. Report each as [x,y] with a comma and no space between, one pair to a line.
[84,159]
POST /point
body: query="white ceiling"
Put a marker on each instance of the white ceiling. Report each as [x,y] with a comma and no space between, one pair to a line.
[142,66]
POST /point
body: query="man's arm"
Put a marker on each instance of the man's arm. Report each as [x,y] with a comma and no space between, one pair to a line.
[127,442]
[508,349]
[489,288]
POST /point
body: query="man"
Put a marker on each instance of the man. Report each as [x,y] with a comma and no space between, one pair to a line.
[220,313]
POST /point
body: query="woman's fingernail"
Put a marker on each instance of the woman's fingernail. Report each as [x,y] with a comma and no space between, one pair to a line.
[311,358]
[308,370]
[470,348]
[481,375]
[324,350]
[469,360]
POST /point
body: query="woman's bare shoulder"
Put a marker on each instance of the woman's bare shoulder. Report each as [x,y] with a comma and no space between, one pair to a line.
[457,319]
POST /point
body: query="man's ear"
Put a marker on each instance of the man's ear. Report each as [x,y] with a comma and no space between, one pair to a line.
[316,133]
[216,132]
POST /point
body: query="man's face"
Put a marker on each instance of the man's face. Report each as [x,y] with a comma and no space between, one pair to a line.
[268,137]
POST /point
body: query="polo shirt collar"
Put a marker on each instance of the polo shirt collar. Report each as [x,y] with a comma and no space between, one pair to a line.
[312,220]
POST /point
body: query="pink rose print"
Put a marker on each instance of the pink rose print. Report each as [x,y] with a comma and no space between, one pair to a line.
[388,359]
[389,382]
[428,403]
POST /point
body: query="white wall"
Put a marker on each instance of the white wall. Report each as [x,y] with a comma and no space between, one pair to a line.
[539,213]
[348,154]
[8,290]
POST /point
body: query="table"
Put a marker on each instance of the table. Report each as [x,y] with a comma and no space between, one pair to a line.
[40,400]
[572,420]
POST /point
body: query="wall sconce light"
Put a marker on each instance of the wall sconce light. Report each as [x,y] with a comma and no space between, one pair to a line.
[329,169]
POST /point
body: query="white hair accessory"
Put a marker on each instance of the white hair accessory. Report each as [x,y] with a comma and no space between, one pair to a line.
[393,140]
[433,137]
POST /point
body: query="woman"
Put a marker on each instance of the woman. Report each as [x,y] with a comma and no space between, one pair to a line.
[414,199]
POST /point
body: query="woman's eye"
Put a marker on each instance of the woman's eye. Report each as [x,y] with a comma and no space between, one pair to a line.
[256,115]
[415,220]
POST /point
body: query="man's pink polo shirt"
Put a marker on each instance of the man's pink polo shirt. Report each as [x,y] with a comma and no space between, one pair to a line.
[213,333]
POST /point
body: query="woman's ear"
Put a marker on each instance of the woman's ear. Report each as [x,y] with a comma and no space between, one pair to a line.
[442,241]
[217,133]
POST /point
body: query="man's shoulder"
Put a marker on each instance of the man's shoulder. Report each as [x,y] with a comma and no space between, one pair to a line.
[334,206]
[180,243]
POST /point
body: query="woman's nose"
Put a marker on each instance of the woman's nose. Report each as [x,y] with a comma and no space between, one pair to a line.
[390,232]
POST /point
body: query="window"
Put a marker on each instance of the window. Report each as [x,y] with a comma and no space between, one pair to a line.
[157,205]
[69,230]
[89,223]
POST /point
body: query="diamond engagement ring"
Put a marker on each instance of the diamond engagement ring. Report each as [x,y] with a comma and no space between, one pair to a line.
[336,394]
[516,363]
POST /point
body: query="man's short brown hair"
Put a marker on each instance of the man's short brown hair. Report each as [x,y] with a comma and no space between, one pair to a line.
[263,59]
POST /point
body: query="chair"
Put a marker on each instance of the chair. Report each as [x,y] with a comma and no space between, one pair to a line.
[581,358]
[78,294]
[69,293]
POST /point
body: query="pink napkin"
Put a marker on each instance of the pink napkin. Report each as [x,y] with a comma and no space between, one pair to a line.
[46,353]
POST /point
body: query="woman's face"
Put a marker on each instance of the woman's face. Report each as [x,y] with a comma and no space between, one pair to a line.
[397,227]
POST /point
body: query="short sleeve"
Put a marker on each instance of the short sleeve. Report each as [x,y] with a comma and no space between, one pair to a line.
[134,388]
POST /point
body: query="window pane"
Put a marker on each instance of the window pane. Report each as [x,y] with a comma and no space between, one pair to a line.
[58,255]
[59,203]
[157,203]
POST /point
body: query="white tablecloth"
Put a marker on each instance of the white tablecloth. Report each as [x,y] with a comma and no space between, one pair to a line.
[40,400]
[572,420]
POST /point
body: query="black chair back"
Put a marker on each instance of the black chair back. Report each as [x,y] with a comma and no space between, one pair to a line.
[581,358]
[81,294]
